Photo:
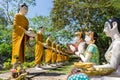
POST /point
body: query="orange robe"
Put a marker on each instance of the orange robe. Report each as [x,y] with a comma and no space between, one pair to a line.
[39,48]
[54,54]
[19,38]
[66,57]
[48,51]
[63,56]
[58,54]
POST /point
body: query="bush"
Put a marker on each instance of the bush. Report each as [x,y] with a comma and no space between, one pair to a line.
[7,65]
[29,64]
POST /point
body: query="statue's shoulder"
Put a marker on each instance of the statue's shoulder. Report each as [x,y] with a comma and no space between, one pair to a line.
[18,15]
[116,44]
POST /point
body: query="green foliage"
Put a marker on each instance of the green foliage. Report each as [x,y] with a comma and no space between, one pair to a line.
[62,35]
[67,16]
[7,64]
[29,64]
[39,21]
[10,7]
[5,43]
[30,54]
[82,15]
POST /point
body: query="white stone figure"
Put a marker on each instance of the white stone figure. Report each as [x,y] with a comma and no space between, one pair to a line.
[80,42]
[91,53]
[79,46]
[112,29]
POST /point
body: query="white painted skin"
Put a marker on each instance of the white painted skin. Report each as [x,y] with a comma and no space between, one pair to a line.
[23,10]
[76,38]
[72,48]
[85,58]
[81,49]
[87,39]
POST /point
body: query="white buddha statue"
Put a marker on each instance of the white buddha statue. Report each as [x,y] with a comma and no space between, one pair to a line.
[112,30]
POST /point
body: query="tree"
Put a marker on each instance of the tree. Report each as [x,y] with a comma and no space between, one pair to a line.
[7,10]
[85,15]
[10,7]
[5,38]
[63,35]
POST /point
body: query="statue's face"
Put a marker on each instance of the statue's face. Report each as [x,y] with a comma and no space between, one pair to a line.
[87,39]
[24,10]
[42,29]
[107,29]
[76,38]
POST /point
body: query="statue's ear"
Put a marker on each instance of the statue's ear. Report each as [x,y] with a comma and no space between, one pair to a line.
[115,24]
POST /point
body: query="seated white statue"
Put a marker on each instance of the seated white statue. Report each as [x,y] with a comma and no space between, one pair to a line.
[91,53]
[112,29]
[79,46]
